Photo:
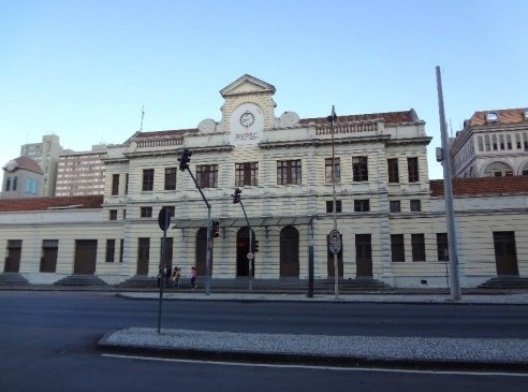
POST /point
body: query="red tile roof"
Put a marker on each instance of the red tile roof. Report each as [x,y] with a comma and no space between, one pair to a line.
[26,163]
[505,116]
[483,186]
[45,203]
[389,118]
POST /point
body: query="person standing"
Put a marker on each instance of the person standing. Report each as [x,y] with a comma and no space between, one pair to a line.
[175,278]
[193,277]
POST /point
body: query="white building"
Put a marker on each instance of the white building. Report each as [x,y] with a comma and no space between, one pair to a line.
[493,143]
[390,216]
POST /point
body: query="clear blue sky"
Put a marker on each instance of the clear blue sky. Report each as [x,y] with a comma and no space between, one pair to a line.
[83,69]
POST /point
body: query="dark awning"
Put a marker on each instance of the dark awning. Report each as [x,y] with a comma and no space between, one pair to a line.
[260,221]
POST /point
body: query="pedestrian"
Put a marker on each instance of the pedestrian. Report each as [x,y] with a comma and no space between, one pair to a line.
[166,275]
[175,277]
[193,277]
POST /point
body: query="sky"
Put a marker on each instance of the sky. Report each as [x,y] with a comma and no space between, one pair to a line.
[84,69]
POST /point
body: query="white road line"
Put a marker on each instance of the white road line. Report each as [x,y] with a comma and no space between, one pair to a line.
[334,368]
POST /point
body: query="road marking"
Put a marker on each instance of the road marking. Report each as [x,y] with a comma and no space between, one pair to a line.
[313,367]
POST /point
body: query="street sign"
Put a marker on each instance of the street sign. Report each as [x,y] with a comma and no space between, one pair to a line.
[164,218]
[250,256]
[334,237]
[334,248]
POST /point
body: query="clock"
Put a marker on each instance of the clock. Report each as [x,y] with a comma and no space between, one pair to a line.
[247,119]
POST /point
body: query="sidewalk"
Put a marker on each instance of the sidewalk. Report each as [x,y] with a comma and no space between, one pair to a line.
[322,350]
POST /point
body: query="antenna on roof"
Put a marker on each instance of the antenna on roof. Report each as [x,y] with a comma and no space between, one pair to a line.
[142,116]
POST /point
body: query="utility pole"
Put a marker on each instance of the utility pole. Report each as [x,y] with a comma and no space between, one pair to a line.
[445,158]
[334,235]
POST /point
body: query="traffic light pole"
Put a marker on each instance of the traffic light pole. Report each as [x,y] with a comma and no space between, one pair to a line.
[209,241]
[250,248]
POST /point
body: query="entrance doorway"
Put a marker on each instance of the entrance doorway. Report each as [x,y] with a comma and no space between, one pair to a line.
[242,267]
[363,255]
[12,261]
[505,253]
[143,256]
[289,252]
[85,257]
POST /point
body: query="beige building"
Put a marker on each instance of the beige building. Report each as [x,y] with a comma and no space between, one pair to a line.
[391,218]
[81,173]
[493,143]
[23,177]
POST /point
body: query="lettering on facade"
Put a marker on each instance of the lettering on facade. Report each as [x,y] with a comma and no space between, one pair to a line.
[246,136]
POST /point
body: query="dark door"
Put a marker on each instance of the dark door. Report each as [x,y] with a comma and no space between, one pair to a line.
[143,256]
[505,253]
[167,254]
[363,255]
[48,261]
[85,257]
[289,252]
[12,261]
[242,267]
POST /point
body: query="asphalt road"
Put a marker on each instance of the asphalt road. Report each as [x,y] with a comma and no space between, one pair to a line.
[47,343]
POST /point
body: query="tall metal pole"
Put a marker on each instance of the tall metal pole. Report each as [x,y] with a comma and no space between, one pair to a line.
[209,242]
[250,261]
[336,268]
[448,196]
[162,269]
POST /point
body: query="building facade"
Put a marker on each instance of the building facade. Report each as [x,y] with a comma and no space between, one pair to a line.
[492,144]
[391,218]
[81,173]
[23,177]
[46,154]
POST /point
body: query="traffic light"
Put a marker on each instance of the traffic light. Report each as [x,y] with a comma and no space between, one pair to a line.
[236,196]
[255,246]
[215,230]
[184,159]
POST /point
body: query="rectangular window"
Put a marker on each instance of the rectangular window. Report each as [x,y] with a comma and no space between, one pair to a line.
[412,165]
[418,247]
[170,178]
[126,184]
[442,246]
[395,206]
[146,212]
[8,184]
[110,251]
[330,206]
[329,171]
[416,205]
[289,172]
[207,176]
[246,174]
[362,205]
[360,168]
[148,180]
[115,184]
[113,215]
[392,167]
[397,248]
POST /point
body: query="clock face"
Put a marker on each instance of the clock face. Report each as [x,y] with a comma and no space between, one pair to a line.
[247,119]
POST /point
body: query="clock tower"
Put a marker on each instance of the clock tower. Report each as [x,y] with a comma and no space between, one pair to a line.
[248,109]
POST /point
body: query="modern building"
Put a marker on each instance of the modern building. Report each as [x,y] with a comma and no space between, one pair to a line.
[23,177]
[390,216]
[81,173]
[493,143]
[46,154]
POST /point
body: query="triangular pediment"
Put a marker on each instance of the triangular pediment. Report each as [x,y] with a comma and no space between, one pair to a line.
[246,85]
